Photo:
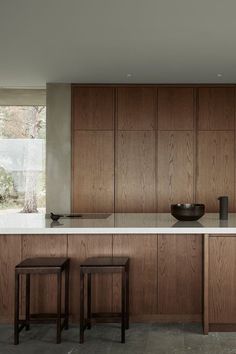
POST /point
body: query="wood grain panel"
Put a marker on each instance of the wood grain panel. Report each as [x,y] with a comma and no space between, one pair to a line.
[43,288]
[216,108]
[135,172]
[215,163]
[175,182]
[179,274]
[142,250]
[93,108]
[81,247]
[93,173]
[205,283]
[222,275]
[136,108]
[10,255]
[175,108]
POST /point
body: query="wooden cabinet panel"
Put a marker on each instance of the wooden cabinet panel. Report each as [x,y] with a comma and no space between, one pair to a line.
[136,108]
[175,169]
[215,167]
[93,108]
[43,288]
[222,275]
[135,172]
[175,108]
[81,247]
[216,108]
[10,255]
[93,172]
[179,274]
[142,250]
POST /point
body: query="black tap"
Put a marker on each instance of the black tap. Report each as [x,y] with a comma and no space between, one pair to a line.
[223,211]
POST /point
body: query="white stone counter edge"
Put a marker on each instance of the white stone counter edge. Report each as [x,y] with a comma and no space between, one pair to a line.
[116,230]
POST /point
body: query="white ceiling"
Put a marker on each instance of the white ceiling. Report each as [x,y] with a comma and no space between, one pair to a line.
[101,41]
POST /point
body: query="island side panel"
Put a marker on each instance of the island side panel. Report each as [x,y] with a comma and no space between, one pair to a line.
[180,275]
[81,247]
[10,255]
[43,288]
[142,250]
[222,281]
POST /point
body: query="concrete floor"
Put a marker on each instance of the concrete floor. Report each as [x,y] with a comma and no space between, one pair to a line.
[104,339]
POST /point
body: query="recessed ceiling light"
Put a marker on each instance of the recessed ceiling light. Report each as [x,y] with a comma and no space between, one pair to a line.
[129,75]
[219,75]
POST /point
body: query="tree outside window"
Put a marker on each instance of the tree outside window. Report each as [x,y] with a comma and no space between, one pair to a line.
[22,158]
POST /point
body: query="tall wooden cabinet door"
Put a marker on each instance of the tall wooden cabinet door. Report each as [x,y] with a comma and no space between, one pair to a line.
[136,108]
[142,251]
[43,287]
[135,171]
[222,275]
[92,108]
[10,256]
[179,274]
[175,108]
[216,108]
[93,171]
[81,247]
[215,168]
[175,182]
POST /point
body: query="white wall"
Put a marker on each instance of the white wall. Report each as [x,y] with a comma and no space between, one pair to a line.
[58,148]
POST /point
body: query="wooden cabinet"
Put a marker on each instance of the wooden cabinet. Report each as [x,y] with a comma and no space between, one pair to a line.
[141,148]
[81,247]
[142,250]
[136,108]
[175,108]
[43,287]
[93,172]
[179,274]
[222,284]
[135,172]
[175,178]
[93,108]
[215,163]
[10,255]
[216,108]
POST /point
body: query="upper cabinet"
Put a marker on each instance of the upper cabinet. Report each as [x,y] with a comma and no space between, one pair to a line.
[136,108]
[216,108]
[93,108]
[175,108]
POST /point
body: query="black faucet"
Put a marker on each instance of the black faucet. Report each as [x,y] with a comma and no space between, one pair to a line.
[223,211]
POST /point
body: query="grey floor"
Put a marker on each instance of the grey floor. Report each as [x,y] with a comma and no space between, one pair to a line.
[104,339]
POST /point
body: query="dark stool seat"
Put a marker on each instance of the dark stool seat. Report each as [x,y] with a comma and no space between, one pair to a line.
[43,262]
[41,265]
[104,265]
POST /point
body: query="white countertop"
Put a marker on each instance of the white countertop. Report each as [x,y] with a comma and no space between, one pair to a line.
[116,224]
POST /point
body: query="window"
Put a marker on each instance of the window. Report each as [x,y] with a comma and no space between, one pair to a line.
[22,158]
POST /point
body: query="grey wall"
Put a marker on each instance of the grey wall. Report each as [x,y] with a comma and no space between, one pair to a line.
[58,148]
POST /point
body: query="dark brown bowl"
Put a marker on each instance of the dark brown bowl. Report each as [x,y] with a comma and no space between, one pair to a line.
[187,212]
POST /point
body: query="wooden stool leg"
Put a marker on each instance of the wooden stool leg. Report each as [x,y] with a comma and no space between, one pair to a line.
[123,307]
[67,297]
[59,307]
[81,307]
[27,300]
[16,328]
[89,301]
[127,297]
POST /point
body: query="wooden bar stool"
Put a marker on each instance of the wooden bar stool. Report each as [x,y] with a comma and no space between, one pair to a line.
[104,265]
[41,265]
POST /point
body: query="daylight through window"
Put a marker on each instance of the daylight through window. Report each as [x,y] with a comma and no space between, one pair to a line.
[22,158]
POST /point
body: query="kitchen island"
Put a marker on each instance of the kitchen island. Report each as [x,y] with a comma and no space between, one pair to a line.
[179,271]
